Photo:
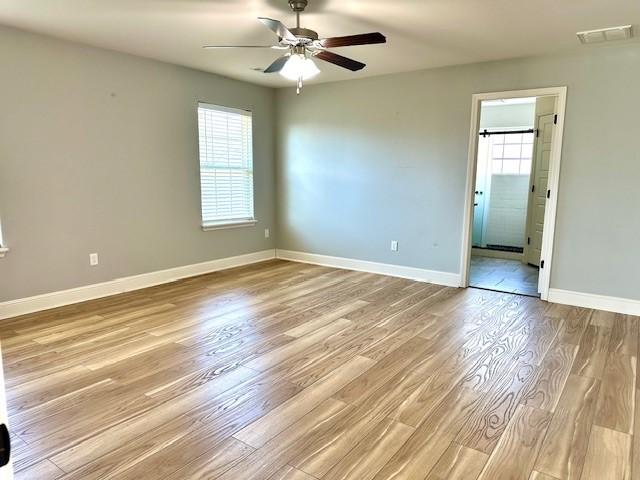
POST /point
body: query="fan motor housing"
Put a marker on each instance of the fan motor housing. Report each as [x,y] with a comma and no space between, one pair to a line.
[304,33]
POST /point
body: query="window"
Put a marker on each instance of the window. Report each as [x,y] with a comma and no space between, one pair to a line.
[511,154]
[226,166]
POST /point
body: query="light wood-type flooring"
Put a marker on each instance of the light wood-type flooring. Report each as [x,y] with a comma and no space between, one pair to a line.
[287,371]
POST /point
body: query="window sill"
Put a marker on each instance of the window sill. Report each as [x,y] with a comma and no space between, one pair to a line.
[3,251]
[231,224]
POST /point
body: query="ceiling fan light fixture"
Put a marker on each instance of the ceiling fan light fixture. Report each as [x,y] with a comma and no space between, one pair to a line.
[299,66]
[304,44]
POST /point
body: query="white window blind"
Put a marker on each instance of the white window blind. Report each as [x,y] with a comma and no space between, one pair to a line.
[226,165]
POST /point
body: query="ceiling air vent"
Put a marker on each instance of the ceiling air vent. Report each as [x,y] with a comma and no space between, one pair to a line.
[606,34]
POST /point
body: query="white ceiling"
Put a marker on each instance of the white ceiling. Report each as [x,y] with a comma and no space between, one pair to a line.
[420,33]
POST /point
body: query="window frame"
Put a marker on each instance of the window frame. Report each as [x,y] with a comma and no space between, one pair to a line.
[226,222]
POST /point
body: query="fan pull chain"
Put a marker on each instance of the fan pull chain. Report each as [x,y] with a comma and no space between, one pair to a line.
[299,85]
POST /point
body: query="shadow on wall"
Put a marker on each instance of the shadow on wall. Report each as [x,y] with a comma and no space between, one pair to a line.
[354,186]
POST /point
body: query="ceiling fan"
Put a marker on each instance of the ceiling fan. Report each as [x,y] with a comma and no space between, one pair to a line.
[304,44]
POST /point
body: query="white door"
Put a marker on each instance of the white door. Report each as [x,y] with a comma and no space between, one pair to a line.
[538,200]
[6,470]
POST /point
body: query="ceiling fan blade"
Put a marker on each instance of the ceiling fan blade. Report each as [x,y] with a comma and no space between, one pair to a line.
[279,29]
[277,65]
[339,60]
[275,47]
[349,40]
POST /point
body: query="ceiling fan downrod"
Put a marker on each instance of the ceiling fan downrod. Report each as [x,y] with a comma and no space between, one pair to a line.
[298,6]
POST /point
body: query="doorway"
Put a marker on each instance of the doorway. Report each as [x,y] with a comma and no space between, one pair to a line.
[513,173]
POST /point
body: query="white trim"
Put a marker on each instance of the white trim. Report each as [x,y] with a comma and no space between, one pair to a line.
[419,274]
[23,306]
[553,184]
[3,251]
[229,224]
[600,302]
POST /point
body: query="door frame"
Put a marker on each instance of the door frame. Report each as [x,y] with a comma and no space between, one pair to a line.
[6,472]
[553,185]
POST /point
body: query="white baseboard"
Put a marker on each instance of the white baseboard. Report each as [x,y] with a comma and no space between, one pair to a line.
[23,306]
[46,301]
[599,302]
[422,275]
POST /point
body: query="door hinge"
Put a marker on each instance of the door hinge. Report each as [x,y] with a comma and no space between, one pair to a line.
[541,263]
[533,188]
[537,132]
[548,193]
[528,240]
[555,119]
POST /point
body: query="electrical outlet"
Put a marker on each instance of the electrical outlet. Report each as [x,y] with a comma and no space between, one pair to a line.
[267,233]
[394,245]
[93,259]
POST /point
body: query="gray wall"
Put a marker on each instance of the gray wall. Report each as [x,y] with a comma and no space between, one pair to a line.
[98,153]
[365,162]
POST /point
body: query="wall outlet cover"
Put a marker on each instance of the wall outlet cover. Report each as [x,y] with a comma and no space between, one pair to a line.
[93,259]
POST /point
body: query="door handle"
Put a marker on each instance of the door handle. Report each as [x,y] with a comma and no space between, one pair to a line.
[5,445]
[475,204]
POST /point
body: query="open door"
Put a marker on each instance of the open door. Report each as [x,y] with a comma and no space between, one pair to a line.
[539,183]
[6,469]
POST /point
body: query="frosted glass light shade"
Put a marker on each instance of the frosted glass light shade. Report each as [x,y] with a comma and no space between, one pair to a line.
[299,66]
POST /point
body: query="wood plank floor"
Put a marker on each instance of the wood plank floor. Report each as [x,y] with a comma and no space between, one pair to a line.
[289,371]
